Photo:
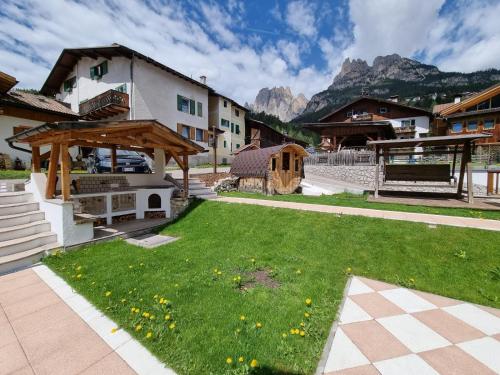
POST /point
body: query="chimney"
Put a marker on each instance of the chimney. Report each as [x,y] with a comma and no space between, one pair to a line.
[394,98]
[457,98]
[203,79]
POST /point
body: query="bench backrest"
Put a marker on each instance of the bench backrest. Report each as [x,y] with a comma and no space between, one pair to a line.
[417,172]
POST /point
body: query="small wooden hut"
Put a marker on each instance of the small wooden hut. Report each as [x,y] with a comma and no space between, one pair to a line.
[270,170]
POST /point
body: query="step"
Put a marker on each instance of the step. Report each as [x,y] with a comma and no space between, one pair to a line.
[17,208]
[24,259]
[23,230]
[21,218]
[26,243]
[15,197]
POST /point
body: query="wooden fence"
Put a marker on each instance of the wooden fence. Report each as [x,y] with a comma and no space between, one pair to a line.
[343,157]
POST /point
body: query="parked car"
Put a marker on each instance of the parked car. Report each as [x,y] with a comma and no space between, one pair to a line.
[99,161]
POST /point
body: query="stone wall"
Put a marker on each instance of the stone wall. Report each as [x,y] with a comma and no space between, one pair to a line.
[355,174]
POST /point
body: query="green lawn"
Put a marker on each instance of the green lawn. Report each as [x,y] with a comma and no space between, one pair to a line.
[307,253]
[10,174]
[352,200]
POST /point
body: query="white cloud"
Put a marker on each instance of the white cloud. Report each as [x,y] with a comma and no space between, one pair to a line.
[300,17]
[290,51]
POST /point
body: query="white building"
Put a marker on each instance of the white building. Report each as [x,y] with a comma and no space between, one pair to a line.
[115,82]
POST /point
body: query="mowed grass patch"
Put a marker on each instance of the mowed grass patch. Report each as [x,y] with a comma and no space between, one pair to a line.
[360,201]
[307,253]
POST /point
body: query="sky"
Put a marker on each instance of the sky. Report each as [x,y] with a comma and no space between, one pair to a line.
[243,46]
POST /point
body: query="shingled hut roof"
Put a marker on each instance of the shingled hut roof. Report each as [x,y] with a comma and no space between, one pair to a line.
[255,163]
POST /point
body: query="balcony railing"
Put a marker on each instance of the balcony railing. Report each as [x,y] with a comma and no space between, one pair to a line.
[104,105]
[362,117]
[405,129]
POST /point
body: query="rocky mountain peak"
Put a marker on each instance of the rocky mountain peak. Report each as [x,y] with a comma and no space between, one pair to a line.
[280,102]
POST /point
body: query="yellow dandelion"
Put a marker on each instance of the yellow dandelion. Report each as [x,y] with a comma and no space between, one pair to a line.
[253,260]
[308,301]
[296,331]
[229,360]
[258,325]
[167,317]
[238,330]
[241,359]
[78,268]
[142,264]
[254,363]
[145,314]
[113,330]
[219,273]
[131,267]
[302,324]
[155,296]
[108,293]
[149,335]
[298,272]
[284,335]
[307,315]
[302,333]
[171,326]
[152,317]
[348,270]
[292,331]
[242,317]
[215,270]
[176,285]
[138,327]
[123,300]
[79,276]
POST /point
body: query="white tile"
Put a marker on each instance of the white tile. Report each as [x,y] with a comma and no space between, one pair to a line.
[475,317]
[485,350]
[141,360]
[344,354]
[78,303]
[358,287]
[102,325]
[407,300]
[410,364]
[89,314]
[351,313]
[413,333]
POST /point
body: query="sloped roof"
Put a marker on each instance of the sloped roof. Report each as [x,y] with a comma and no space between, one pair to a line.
[472,100]
[6,82]
[36,102]
[255,163]
[439,107]
[248,147]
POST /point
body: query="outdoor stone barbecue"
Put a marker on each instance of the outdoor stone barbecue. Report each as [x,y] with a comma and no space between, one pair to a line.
[98,184]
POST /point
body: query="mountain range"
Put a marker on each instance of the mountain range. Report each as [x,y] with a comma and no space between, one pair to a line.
[280,102]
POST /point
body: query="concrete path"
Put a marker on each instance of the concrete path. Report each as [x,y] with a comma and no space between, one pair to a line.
[368,212]
[332,186]
[388,330]
[47,328]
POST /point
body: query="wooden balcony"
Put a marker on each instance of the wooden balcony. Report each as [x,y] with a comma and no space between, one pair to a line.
[107,104]
[405,129]
[362,117]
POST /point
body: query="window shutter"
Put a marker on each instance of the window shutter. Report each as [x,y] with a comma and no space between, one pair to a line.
[192,108]
[237,129]
[92,73]
[179,103]
[232,127]
[205,135]
[179,128]
[104,68]
[200,109]
[192,133]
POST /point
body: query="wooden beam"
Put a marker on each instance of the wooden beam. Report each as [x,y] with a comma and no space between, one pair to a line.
[178,160]
[470,184]
[454,161]
[113,159]
[50,188]
[35,160]
[65,172]
[185,176]
[377,171]
[465,159]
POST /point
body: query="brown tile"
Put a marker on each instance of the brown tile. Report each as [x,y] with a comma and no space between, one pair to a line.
[374,341]
[50,316]
[451,328]
[12,358]
[453,360]
[17,280]
[361,370]
[68,348]
[491,310]
[29,305]
[377,285]
[7,335]
[437,300]
[25,292]
[376,305]
[112,364]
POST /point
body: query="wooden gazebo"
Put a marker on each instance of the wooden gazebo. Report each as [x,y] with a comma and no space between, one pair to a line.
[442,145]
[147,136]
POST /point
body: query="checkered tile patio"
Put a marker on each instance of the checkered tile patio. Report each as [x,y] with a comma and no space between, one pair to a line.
[388,330]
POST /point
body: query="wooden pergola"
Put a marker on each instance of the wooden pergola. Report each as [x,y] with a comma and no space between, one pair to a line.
[429,172]
[147,136]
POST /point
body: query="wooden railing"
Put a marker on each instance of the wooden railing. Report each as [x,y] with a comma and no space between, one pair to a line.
[106,99]
[405,129]
[362,117]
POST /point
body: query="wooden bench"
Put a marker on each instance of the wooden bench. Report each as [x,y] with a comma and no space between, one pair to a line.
[418,172]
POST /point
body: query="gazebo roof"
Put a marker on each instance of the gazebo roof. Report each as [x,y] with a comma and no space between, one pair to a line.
[448,140]
[136,135]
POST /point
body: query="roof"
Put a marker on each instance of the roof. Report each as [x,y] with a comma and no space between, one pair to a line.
[447,140]
[6,82]
[248,147]
[439,107]
[138,135]
[287,138]
[255,163]
[234,102]
[471,100]
[36,102]
[385,125]
[69,56]
[380,100]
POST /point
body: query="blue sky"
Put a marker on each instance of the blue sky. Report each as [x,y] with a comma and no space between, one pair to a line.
[242,46]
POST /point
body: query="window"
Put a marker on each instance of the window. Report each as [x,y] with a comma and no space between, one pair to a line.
[237,113]
[225,103]
[224,122]
[296,165]
[199,135]
[495,101]
[382,110]
[273,164]
[182,104]
[232,127]
[200,109]
[192,108]
[122,88]
[483,105]
[472,125]
[185,131]
[237,130]
[286,161]
[96,72]
[407,123]
[225,144]
[70,84]
[489,124]
[349,114]
[456,127]
[237,145]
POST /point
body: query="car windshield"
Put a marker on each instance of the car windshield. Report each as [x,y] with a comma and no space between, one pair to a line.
[107,153]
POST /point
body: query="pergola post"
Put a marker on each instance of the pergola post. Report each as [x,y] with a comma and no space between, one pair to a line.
[185,175]
[377,171]
[113,159]
[465,159]
[215,140]
[65,172]
[470,184]
[35,159]
[50,188]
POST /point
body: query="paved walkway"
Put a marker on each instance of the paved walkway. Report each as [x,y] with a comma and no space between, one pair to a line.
[388,330]
[47,328]
[368,212]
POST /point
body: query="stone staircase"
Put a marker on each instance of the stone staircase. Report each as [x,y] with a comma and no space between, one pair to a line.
[198,189]
[24,233]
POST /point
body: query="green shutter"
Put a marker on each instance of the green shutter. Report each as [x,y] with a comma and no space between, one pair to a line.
[192,108]
[92,72]
[104,68]
[200,109]
[237,129]
[232,127]
[179,103]
[237,145]
[225,144]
